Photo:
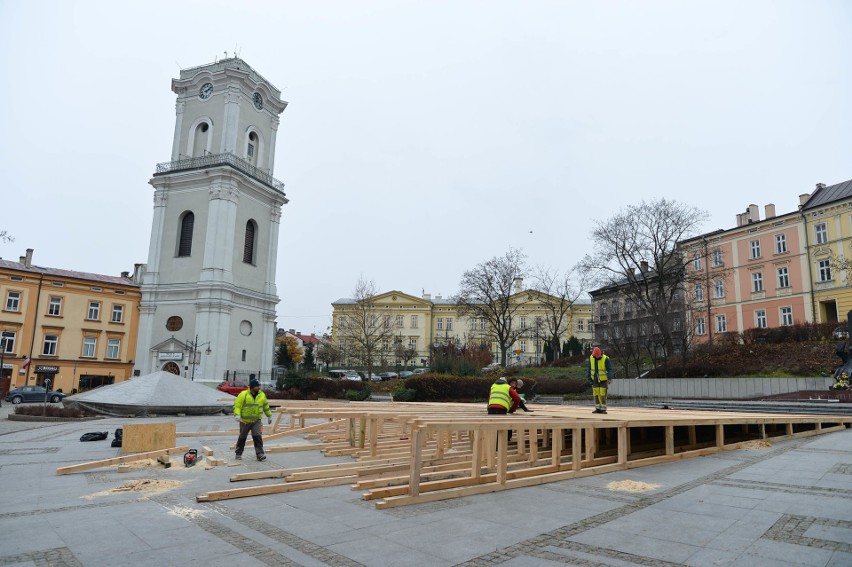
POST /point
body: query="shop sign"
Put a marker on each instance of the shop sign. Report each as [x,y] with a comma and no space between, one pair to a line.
[44,369]
[170,356]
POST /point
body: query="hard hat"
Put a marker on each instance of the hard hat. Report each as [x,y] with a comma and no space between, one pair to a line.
[596,352]
[501,380]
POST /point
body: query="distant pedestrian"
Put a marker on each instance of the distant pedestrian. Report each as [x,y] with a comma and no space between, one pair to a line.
[249,408]
[598,372]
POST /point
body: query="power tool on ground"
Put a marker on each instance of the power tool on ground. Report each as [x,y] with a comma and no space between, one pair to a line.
[190,457]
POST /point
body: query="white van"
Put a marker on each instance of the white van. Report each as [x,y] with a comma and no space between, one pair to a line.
[344,375]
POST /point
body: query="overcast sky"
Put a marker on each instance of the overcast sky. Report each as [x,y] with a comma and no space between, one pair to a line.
[424,137]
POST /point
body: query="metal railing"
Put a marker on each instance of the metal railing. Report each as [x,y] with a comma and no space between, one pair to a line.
[212,160]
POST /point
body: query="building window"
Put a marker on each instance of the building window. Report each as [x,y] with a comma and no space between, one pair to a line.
[604,310]
[13,301]
[386,321]
[89,345]
[719,289]
[94,311]
[786,316]
[412,343]
[414,321]
[244,355]
[825,270]
[821,231]
[699,326]
[185,239]
[117,313]
[717,258]
[783,277]
[760,318]
[756,281]
[482,324]
[174,323]
[7,342]
[696,261]
[699,292]
[780,243]
[249,244]
[400,321]
[523,322]
[54,308]
[580,325]
[755,248]
[449,323]
[373,319]
[50,344]
[523,346]
[113,348]
[440,323]
[721,324]
[385,345]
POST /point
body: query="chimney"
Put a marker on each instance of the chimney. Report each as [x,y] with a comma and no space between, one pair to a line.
[803,198]
[427,296]
[125,275]
[770,211]
[519,285]
[819,186]
[643,266]
[292,331]
[753,213]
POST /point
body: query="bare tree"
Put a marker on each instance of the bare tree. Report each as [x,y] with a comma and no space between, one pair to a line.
[645,236]
[367,328]
[327,353]
[404,353]
[6,237]
[557,293]
[487,292]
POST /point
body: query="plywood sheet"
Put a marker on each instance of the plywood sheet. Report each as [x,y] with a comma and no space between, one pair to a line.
[138,437]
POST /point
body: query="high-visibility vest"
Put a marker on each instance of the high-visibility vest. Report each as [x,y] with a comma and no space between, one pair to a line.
[600,364]
[251,408]
[500,396]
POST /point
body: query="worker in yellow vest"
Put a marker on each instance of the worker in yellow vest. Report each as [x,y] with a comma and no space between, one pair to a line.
[249,409]
[598,372]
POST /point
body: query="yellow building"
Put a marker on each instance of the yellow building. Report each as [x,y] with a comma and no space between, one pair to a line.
[828,237]
[418,323]
[77,329]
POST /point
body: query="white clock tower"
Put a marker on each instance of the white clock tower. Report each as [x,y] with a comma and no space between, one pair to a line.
[208,289]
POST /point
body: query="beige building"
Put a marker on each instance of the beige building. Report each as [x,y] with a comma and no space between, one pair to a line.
[417,323]
[77,329]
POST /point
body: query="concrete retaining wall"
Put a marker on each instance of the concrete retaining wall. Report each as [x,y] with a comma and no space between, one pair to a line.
[713,388]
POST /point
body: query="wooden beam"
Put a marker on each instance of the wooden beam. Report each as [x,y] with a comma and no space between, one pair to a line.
[120,460]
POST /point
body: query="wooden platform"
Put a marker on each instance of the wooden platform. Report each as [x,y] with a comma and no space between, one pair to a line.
[406,453]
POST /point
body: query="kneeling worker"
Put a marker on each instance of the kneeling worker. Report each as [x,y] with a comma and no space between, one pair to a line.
[503,399]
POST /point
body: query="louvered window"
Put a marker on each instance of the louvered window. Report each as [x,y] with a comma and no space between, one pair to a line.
[185,244]
[248,249]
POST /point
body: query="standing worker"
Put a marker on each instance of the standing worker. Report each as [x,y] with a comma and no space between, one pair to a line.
[598,373]
[249,408]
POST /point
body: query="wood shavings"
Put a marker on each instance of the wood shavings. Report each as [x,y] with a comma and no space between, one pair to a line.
[756,444]
[632,486]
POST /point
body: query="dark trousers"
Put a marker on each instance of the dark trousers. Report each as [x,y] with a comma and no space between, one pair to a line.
[254,428]
[500,411]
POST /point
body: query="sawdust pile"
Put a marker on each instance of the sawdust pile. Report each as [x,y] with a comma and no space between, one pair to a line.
[631,486]
[144,485]
[756,444]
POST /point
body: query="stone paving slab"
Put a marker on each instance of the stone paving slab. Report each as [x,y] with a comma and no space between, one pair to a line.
[790,504]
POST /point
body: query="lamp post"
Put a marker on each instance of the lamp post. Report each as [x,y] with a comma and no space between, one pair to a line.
[193,349]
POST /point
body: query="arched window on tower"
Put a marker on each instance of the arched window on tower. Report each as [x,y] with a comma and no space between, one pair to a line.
[252,148]
[199,142]
[249,248]
[187,221]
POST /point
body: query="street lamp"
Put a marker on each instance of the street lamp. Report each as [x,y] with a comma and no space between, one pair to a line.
[193,349]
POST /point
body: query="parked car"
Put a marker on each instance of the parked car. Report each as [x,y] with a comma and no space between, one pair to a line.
[232,388]
[33,394]
[492,366]
[344,375]
[371,377]
[406,374]
[421,370]
[388,376]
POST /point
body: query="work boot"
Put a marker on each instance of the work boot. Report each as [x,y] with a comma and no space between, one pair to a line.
[261,457]
[238,457]
[603,411]
[597,410]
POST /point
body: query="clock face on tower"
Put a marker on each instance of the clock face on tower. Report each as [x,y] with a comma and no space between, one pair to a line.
[258,101]
[205,91]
